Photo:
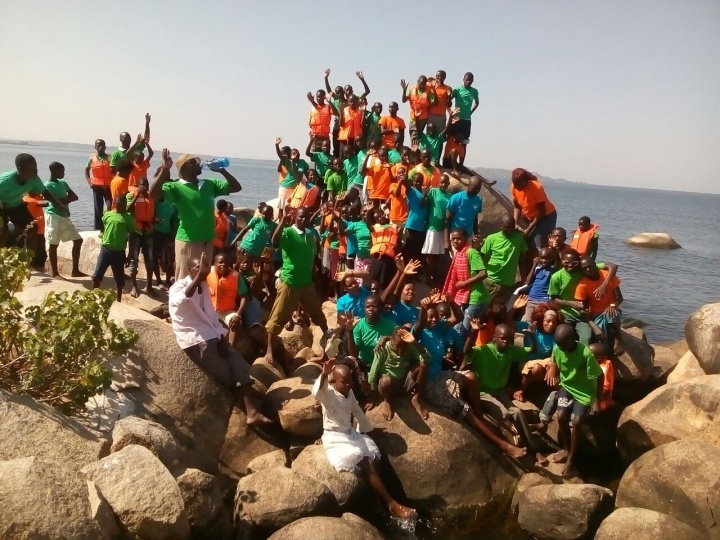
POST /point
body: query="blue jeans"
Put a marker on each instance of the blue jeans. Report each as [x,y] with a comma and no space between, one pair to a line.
[470,312]
[539,237]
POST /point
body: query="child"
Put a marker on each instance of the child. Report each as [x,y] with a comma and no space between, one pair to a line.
[600,353]
[364,334]
[232,223]
[348,449]
[336,180]
[166,224]
[585,239]
[222,226]
[140,165]
[58,226]
[544,321]
[321,158]
[538,281]
[357,235]
[120,185]
[380,175]
[433,141]
[141,238]
[435,240]
[393,367]
[118,223]
[581,382]
[385,240]
[256,234]
[224,285]
[416,224]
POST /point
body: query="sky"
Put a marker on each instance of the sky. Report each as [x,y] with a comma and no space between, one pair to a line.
[606,92]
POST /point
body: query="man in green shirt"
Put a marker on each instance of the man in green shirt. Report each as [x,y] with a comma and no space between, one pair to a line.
[581,382]
[118,223]
[58,226]
[125,149]
[503,253]
[298,247]
[195,201]
[394,369]
[13,186]
[466,101]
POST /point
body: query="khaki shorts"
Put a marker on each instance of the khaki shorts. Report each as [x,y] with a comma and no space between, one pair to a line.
[186,252]
[288,299]
[527,367]
[59,229]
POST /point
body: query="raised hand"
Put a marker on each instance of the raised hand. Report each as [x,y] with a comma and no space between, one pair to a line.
[278,141]
[287,220]
[166,159]
[412,267]
[404,84]
[327,73]
[360,75]
[350,324]
[139,138]
[204,269]
[406,336]
[414,146]
[521,301]
[476,325]
[328,366]
[400,263]
[339,276]
[147,117]
[309,95]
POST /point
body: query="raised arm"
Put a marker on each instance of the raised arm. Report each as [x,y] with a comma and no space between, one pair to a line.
[146,137]
[278,142]
[308,152]
[151,153]
[404,86]
[162,176]
[311,99]
[277,233]
[366,88]
[327,81]
[234,184]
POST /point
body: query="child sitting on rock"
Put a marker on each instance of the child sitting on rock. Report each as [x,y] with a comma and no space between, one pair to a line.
[600,353]
[347,448]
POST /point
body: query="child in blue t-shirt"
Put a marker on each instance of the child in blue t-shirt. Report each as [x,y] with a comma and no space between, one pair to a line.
[538,281]
[417,221]
[544,321]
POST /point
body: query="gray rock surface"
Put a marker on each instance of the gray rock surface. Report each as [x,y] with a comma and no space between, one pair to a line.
[151,435]
[642,524]
[204,506]
[347,527]
[702,332]
[313,462]
[686,368]
[276,458]
[299,413]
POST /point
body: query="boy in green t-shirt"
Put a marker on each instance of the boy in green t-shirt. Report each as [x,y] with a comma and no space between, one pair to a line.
[394,370]
[336,179]
[581,382]
[255,236]
[321,158]
[118,224]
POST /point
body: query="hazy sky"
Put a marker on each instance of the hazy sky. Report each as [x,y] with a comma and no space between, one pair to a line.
[606,92]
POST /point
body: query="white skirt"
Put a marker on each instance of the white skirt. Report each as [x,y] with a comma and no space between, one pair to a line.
[434,243]
[345,450]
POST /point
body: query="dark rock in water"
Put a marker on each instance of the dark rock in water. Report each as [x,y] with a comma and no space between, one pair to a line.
[564,512]
[630,322]
[653,240]
[702,332]
[689,410]
[679,479]
[642,524]
[348,527]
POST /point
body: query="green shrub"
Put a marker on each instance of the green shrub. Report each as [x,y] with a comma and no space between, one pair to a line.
[55,351]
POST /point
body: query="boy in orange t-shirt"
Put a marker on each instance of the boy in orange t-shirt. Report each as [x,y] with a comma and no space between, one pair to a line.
[140,165]
[120,185]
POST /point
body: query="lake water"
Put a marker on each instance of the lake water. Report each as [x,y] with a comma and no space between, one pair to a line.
[660,287]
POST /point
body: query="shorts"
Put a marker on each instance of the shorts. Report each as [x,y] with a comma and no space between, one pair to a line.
[230,370]
[499,406]
[462,127]
[251,317]
[445,392]
[406,384]
[283,196]
[435,243]
[110,259]
[186,252]
[539,237]
[333,260]
[59,229]
[527,366]
[504,292]
[417,126]
[413,244]
[568,403]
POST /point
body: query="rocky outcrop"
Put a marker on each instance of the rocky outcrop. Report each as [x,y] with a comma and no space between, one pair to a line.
[29,428]
[204,506]
[42,499]
[273,498]
[276,458]
[642,524]
[299,413]
[702,332]
[680,479]
[151,435]
[686,368]
[265,374]
[142,493]
[313,462]
[689,409]
[653,240]
[460,471]
[349,527]
[527,481]
[563,512]
[664,362]
[636,364]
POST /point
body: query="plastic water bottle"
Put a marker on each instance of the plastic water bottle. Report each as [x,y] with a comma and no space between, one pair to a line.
[219,163]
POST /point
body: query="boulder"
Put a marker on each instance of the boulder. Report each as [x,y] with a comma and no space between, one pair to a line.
[242,445]
[151,435]
[142,493]
[686,368]
[42,499]
[273,498]
[688,409]
[313,462]
[664,363]
[296,339]
[308,372]
[299,413]
[681,479]
[29,428]
[563,512]
[702,332]
[276,458]
[653,240]
[348,526]
[461,473]
[527,481]
[265,374]
[635,365]
[642,524]
[204,505]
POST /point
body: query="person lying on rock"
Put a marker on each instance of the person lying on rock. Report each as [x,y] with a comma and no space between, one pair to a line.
[347,448]
[199,333]
[581,383]
[394,370]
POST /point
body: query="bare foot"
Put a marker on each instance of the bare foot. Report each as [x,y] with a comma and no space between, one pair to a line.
[519,396]
[491,183]
[162,287]
[400,511]
[318,442]
[513,451]
[559,457]
[134,292]
[259,420]
[58,276]
[419,407]
[569,470]
[387,411]
[541,460]
[78,273]
[150,291]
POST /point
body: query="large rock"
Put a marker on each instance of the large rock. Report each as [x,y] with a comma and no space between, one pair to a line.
[527,481]
[299,413]
[349,527]
[686,368]
[495,204]
[443,467]
[142,493]
[689,409]
[642,524]
[204,505]
[296,339]
[664,362]
[273,498]
[29,428]
[681,479]
[636,363]
[151,435]
[702,332]
[653,240]
[276,458]
[563,512]
[41,499]
[313,462]
[265,374]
